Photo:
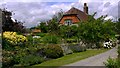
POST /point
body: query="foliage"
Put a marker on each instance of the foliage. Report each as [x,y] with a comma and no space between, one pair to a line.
[12,38]
[112,63]
[7,60]
[43,27]
[96,30]
[52,51]
[50,39]
[68,31]
[41,34]
[9,25]
[31,60]
[11,58]
[63,30]
[51,26]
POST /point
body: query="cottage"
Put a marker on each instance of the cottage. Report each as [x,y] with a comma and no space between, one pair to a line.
[36,30]
[74,15]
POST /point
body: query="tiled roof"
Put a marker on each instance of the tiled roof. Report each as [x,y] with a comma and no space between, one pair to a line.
[36,30]
[80,14]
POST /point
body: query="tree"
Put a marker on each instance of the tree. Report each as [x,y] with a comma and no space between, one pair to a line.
[51,26]
[95,31]
[9,25]
[43,27]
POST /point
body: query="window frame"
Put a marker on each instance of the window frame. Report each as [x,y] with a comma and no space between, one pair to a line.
[68,21]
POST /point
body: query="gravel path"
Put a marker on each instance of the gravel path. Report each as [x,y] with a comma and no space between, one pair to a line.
[96,60]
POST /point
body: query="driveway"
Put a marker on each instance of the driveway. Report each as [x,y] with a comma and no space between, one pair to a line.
[96,60]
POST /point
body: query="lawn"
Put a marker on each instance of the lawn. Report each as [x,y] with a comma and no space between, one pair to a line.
[70,58]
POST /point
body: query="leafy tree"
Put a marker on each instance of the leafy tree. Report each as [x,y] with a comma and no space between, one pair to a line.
[9,25]
[51,26]
[96,30]
[43,27]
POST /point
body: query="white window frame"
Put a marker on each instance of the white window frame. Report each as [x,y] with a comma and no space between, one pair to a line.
[68,22]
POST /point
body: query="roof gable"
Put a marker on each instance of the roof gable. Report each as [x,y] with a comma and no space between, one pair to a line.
[80,14]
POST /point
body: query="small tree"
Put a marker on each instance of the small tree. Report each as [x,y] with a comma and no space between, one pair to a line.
[43,27]
[95,31]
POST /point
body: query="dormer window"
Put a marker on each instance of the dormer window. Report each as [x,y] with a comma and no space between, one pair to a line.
[68,22]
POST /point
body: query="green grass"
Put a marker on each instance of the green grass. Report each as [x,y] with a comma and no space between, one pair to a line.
[71,58]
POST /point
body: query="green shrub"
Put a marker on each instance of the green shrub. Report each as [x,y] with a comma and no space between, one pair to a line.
[8,59]
[30,39]
[31,60]
[112,63]
[11,58]
[50,39]
[51,51]
[40,34]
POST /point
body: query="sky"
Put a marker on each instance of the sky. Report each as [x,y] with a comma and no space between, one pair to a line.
[32,12]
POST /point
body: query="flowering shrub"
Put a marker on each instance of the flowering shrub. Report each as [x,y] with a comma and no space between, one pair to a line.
[13,38]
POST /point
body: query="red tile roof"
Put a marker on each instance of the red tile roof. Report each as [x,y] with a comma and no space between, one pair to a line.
[80,14]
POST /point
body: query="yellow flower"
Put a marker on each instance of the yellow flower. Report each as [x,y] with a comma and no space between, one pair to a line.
[13,38]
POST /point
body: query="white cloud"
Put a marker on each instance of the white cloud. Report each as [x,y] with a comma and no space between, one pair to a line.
[40,0]
[34,12]
[109,17]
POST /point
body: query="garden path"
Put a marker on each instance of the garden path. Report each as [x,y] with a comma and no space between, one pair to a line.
[96,60]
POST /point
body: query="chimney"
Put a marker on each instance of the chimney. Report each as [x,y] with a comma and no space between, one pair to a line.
[85,8]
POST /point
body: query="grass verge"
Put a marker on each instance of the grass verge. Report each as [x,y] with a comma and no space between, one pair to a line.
[70,58]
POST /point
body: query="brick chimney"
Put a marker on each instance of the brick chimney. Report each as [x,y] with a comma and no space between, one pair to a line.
[85,8]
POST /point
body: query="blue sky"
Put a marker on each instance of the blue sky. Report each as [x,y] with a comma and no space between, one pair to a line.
[33,11]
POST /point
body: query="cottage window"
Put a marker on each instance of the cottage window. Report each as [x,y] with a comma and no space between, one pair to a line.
[68,22]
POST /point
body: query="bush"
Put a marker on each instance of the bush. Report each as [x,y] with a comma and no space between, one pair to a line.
[50,39]
[51,51]
[11,58]
[11,39]
[31,60]
[7,60]
[40,34]
[112,63]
